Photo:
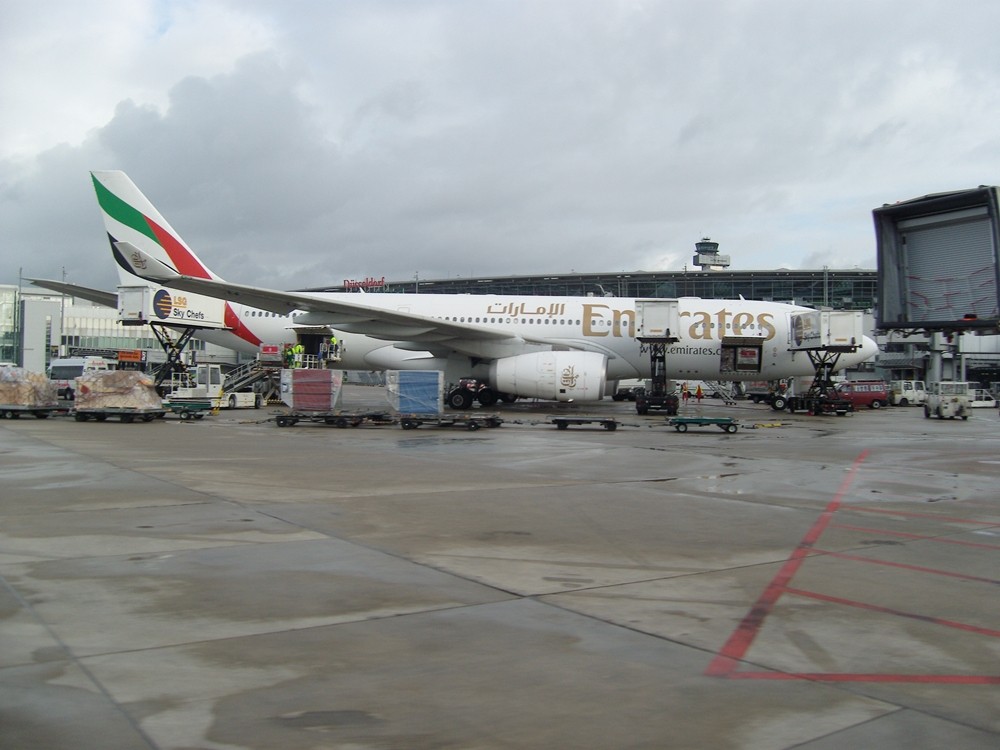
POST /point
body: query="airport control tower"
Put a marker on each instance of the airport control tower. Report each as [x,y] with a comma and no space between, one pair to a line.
[708,257]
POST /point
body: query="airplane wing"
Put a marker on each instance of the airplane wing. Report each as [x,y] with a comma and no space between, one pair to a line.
[433,334]
[97,296]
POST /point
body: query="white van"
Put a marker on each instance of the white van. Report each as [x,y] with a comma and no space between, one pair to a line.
[907,392]
[64,372]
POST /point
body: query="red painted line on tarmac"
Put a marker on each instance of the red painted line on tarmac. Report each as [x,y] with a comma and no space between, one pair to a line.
[739,642]
[896,612]
[922,537]
[926,679]
[905,566]
[913,514]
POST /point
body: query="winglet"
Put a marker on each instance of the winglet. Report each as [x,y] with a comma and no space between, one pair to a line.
[142,264]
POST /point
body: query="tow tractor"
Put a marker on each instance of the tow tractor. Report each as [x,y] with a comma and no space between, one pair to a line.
[467,391]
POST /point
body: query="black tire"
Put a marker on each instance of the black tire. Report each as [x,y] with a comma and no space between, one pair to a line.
[927,412]
[610,426]
[487,397]
[730,428]
[562,425]
[681,427]
[904,402]
[460,399]
[876,404]
[232,401]
[779,403]
[257,401]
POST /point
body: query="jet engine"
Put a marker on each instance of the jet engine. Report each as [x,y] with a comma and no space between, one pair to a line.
[557,376]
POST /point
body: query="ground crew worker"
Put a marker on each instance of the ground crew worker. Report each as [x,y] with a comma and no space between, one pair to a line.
[297,351]
[685,393]
[698,394]
[334,347]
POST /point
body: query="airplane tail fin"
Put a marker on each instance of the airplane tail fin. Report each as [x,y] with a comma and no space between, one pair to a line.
[131,220]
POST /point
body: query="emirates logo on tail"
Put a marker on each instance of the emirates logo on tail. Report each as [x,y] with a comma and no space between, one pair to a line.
[138,261]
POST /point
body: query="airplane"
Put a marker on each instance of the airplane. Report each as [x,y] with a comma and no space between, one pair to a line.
[548,347]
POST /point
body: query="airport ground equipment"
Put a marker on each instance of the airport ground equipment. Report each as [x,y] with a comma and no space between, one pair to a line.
[125,414]
[416,398]
[681,424]
[947,400]
[206,382]
[335,419]
[657,325]
[15,411]
[471,422]
[189,409]
[26,392]
[823,336]
[563,423]
[128,395]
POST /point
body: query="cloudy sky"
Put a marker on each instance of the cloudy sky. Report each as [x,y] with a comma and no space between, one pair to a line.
[305,142]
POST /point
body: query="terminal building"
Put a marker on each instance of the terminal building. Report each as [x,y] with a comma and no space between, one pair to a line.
[36,326]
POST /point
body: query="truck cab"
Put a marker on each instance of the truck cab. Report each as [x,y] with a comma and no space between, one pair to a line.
[948,400]
[907,392]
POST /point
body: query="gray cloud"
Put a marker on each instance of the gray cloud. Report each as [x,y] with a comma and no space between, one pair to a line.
[446,138]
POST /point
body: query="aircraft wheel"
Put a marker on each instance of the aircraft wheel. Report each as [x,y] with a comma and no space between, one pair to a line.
[460,399]
[487,397]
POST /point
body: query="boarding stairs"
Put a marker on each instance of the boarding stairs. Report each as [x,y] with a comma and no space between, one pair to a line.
[720,389]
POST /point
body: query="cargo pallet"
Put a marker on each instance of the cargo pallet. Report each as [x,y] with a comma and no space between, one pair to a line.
[726,424]
[125,414]
[563,423]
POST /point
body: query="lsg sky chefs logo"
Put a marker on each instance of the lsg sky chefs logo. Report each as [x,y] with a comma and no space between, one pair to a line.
[166,306]
[163,304]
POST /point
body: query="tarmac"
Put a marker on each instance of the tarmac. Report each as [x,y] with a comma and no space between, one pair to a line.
[805,582]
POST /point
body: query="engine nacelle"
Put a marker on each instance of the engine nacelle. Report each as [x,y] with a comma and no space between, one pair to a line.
[557,376]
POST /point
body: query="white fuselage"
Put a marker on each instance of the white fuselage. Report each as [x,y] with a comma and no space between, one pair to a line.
[599,324]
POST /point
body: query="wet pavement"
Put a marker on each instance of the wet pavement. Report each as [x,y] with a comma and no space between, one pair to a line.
[811,582]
